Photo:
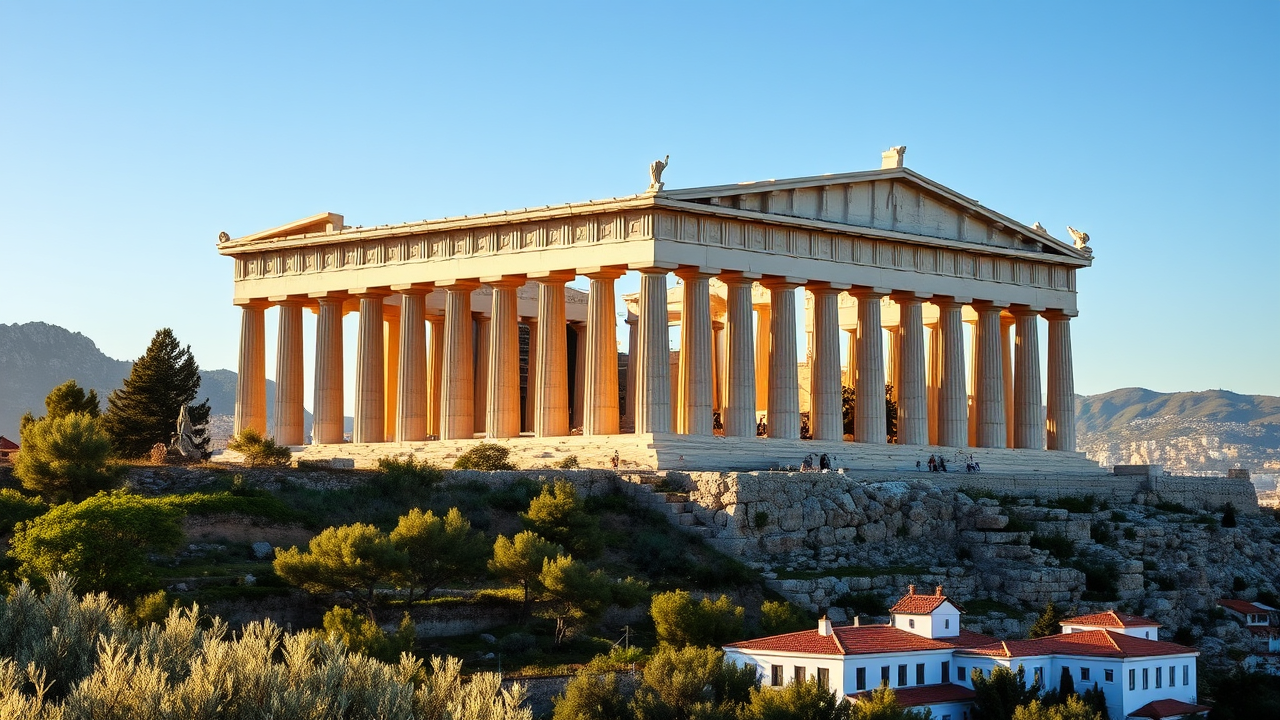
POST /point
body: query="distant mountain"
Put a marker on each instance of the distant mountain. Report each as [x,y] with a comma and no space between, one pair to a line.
[37,357]
[1187,432]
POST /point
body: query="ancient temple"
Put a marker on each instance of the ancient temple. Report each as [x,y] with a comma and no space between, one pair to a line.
[442,303]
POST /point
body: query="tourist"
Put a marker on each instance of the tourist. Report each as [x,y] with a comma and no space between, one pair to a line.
[824,463]
[917,465]
[807,464]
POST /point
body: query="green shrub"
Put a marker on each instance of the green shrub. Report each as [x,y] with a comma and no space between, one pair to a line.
[1173,507]
[485,456]
[259,451]
[760,519]
[782,617]
[16,507]
[515,496]
[1017,524]
[1239,584]
[1058,545]
[559,516]
[570,462]
[1100,533]
[1119,517]
[1082,504]
[1099,580]
[681,621]
[1165,582]
[362,635]
[152,608]
[408,472]
[1229,516]
[67,457]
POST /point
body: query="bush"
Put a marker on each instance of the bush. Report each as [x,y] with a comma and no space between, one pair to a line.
[362,635]
[1099,580]
[782,617]
[570,462]
[408,473]
[16,507]
[1047,623]
[351,557]
[1130,534]
[558,515]
[1173,507]
[805,699]
[518,643]
[104,541]
[680,621]
[1058,545]
[675,682]
[485,456]
[438,550]
[152,608]
[1229,516]
[1100,533]
[760,519]
[259,451]
[66,457]
[1082,504]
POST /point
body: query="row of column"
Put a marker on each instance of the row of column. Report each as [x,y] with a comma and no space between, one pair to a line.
[394,399]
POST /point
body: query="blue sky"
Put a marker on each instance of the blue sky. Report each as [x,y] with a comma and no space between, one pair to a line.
[132,133]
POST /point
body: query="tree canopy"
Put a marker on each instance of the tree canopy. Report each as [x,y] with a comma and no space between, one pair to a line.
[519,560]
[557,515]
[64,400]
[998,696]
[438,549]
[145,411]
[66,457]
[350,557]
[681,621]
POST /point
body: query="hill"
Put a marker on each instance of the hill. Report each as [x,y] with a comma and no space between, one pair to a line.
[1187,432]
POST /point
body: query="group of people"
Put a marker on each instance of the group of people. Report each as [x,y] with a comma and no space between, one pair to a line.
[824,463]
[937,463]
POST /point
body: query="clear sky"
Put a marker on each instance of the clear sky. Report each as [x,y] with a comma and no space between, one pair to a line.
[132,133]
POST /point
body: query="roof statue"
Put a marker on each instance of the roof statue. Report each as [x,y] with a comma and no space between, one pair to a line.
[655,173]
[1037,226]
[223,236]
[1082,240]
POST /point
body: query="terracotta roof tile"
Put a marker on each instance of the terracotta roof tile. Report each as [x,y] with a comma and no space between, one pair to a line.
[860,640]
[7,444]
[1244,607]
[1092,643]
[1111,618]
[1167,709]
[926,694]
[917,604]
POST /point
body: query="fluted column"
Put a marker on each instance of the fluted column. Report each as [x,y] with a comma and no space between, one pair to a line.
[934,380]
[989,377]
[764,333]
[502,416]
[1061,420]
[370,421]
[892,358]
[1006,362]
[851,370]
[435,376]
[480,395]
[411,386]
[695,412]
[327,421]
[784,384]
[579,374]
[391,373]
[289,423]
[826,408]
[739,413]
[629,406]
[552,416]
[717,367]
[457,406]
[653,355]
[251,383]
[869,419]
[531,376]
[913,401]
[1028,418]
[600,404]
[953,391]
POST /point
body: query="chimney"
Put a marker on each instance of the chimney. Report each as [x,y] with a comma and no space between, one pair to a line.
[824,626]
[938,591]
[911,589]
[857,621]
[892,158]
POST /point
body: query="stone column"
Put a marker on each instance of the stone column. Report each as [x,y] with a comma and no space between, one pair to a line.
[251,383]
[289,428]
[457,407]
[826,408]
[1028,419]
[1006,361]
[390,371]
[989,377]
[764,332]
[629,406]
[327,422]
[913,401]
[411,406]
[695,412]
[552,415]
[739,413]
[653,355]
[579,374]
[935,375]
[972,402]
[851,373]
[953,391]
[869,419]
[502,416]
[600,354]
[370,426]
[1061,421]
[435,376]
[480,395]
[892,367]
[784,384]
[717,367]
[531,376]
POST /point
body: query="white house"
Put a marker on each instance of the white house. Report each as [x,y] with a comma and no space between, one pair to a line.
[924,655]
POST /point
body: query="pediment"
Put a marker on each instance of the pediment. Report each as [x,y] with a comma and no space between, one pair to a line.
[896,200]
[318,223]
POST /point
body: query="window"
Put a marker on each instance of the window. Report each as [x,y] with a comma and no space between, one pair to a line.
[1185,676]
[1133,682]
[1159,677]
[946,670]
[1084,673]
[884,675]
[799,676]
[1109,675]
[902,675]
[775,675]
[824,678]
[960,676]
[920,674]
[1038,677]
[946,717]
[1145,681]
[860,678]
[947,623]
[911,623]
[1173,676]
[1147,634]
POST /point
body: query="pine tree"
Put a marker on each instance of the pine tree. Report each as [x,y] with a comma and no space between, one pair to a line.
[145,411]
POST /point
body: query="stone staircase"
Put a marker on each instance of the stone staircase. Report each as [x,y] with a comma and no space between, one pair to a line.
[674,506]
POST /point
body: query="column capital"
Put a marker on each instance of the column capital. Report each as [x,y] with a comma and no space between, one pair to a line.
[909,296]
[868,293]
[652,267]
[418,288]
[689,272]
[288,300]
[1020,310]
[252,303]
[989,304]
[456,284]
[368,292]
[328,295]
[603,272]
[739,277]
[504,281]
[949,300]
[479,316]
[782,282]
[1056,314]
[826,288]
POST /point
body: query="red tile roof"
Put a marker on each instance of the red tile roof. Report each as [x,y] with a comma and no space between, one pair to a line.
[1111,618]
[1091,643]
[1244,607]
[926,694]
[860,640]
[914,604]
[7,444]
[1167,709]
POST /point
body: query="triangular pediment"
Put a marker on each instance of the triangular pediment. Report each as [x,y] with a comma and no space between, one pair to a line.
[318,223]
[895,200]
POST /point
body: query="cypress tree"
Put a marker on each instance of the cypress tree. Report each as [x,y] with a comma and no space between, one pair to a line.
[145,411]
